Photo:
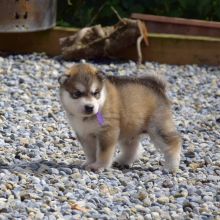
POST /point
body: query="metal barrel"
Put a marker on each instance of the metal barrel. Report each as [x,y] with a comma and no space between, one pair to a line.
[27,15]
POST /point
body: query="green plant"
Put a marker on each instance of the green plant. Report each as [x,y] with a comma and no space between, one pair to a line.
[80,13]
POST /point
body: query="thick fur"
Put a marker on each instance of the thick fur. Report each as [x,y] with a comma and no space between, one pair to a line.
[129,106]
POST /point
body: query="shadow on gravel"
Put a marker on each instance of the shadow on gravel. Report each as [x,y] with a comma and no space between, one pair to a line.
[41,166]
[53,167]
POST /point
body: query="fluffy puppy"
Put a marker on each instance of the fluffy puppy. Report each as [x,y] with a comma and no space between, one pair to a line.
[106,111]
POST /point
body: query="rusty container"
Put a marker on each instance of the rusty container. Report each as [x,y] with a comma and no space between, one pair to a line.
[27,15]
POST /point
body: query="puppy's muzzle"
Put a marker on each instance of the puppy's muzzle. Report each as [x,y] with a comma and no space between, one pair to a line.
[89,109]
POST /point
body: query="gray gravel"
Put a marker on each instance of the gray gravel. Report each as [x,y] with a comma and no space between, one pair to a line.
[40,176]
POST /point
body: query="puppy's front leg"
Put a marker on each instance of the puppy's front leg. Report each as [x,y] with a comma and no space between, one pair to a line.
[89,144]
[106,149]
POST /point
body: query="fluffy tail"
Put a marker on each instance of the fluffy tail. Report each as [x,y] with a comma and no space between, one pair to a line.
[155,82]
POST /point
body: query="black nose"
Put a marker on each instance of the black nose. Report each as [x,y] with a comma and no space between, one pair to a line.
[89,109]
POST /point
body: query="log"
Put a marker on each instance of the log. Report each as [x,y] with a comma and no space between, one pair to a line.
[104,42]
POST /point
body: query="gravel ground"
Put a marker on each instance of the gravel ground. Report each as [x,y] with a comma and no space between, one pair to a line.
[40,175]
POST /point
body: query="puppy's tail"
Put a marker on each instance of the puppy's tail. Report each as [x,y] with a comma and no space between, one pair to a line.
[155,82]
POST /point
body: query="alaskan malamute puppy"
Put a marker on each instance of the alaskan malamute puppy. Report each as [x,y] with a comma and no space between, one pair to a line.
[106,111]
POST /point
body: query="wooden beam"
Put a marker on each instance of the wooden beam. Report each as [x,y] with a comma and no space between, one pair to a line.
[181,26]
[178,49]
[42,41]
[163,48]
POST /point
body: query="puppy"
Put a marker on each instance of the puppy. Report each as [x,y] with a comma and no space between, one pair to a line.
[106,111]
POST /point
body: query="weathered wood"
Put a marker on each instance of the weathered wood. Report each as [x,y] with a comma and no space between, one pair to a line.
[171,25]
[103,42]
[173,49]
[43,41]
[178,49]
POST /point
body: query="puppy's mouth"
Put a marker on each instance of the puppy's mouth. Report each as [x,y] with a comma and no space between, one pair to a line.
[98,115]
[87,113]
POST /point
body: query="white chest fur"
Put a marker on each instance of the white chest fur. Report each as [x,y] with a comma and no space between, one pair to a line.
[83,127]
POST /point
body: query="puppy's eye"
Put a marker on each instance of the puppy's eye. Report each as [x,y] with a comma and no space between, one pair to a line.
[76,95]
[96,93]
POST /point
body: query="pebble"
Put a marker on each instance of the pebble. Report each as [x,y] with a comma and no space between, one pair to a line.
[167,183]
[40,172]
[146,202]
[67,171]
[163,200]
[147,217]
[155,215]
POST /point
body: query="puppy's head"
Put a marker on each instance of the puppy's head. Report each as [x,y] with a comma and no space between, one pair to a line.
[82,90]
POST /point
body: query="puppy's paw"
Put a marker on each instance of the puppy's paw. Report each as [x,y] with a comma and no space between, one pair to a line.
[95,167]
[172,166]
[86,163]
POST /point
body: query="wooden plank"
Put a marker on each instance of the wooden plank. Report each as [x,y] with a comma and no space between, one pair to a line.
[175,20]
[172,25]
[42,41]
[163,48]
[178,49]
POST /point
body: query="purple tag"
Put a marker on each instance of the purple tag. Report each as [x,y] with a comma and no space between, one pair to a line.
[100,118]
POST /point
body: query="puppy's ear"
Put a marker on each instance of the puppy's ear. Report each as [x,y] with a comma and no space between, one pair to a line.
[101,75]
[62,79]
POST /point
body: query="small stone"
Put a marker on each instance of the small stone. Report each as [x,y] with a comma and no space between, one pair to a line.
[39,215]
[180,200]
[66,170]
[207,198]
[52,217]
[24,141]
[208,160]
[139,217]
[167,183]
[155,216]
[147,217]
[142,196]
[218,92]
[107,210]
[140,208]
[9,186]
[190,154]
[133,209]
[194,166]
[163,200]
[146,202]
[50,129]
[54,171]
[3,203]
[204,209]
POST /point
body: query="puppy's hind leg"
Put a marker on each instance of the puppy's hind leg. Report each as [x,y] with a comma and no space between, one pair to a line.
[130,150]
[166,138]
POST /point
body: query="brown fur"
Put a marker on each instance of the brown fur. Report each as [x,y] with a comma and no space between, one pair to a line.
[152,82]
[84,74]
[132,106]
[83,78]
[80,68]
